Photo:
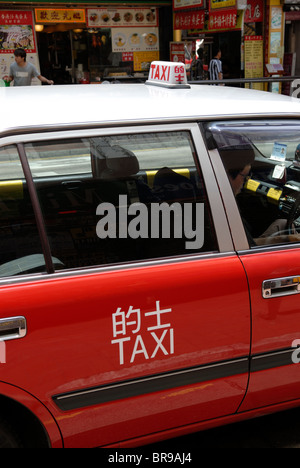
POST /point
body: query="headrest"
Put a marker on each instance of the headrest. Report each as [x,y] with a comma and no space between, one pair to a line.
[115,162]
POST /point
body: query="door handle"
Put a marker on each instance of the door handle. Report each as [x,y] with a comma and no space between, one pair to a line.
[12,328]
[281,287]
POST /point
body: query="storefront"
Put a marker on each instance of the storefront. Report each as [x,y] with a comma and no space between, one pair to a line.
[230,25]
[84,43]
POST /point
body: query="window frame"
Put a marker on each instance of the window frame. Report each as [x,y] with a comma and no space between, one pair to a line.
[239,237]
[202,160]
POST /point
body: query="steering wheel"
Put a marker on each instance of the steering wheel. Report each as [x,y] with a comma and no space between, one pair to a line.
[294,214]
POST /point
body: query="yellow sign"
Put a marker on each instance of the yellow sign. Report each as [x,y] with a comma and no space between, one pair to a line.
[254,59]
[216,4]
[142,60]
[59,15]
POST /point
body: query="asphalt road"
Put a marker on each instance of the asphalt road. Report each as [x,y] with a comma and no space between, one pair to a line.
[279,430]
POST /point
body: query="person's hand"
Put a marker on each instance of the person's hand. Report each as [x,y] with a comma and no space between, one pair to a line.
[50,82]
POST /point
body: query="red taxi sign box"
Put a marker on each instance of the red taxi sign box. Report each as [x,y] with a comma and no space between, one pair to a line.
[168,75]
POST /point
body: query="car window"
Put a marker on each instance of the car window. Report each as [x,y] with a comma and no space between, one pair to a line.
[262,161]
[121,198]
[20,248]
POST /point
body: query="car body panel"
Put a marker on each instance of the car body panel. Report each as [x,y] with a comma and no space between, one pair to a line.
[133,352]
[77,351]
[134,103]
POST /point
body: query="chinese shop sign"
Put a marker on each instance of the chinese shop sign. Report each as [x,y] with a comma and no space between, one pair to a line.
[223,19]
[49,15]
[254,11]
[189,20]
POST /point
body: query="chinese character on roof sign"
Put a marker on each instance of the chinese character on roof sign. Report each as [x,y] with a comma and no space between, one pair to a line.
[168,74]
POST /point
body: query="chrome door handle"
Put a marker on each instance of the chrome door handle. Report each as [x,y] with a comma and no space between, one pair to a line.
[281,287]
[12,328]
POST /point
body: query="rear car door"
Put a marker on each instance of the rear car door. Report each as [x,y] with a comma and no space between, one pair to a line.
[137,320]
[264,219]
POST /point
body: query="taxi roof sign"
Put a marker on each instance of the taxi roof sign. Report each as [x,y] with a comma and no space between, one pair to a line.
[168,75]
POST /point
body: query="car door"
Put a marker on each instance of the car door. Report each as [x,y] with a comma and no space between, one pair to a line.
[130,331]
[272,261]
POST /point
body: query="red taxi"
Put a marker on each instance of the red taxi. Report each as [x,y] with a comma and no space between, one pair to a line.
[149,260]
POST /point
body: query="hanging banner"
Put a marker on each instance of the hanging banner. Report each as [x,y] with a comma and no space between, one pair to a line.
[184,4]
[121,17]
[217,4]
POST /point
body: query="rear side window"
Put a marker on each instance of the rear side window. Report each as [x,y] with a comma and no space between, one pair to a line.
[121,198]
[20,249]
[262,162]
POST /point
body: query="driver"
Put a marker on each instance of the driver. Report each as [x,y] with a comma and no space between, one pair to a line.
[238,161]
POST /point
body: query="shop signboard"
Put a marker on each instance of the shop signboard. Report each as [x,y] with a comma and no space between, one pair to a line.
[17,30]
[254,11]
[217,4]
[223,19]
[142,60]
[177,52]
[133,40]
[60,15]
[183,4]
[208,28]
[189,20]
[121,17]
[254,53]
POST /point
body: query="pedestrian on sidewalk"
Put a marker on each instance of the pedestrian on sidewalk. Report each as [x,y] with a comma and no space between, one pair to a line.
[21,72]
[215,66]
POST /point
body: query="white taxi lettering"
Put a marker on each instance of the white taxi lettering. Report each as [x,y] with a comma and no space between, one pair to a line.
[127,328]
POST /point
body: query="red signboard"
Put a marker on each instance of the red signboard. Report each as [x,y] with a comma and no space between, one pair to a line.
[189,20]
[254,12]
[177,52]
[10,18]
[16,30]
[222,19]
[127,56]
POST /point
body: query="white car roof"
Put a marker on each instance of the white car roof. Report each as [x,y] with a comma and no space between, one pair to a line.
[64,105]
